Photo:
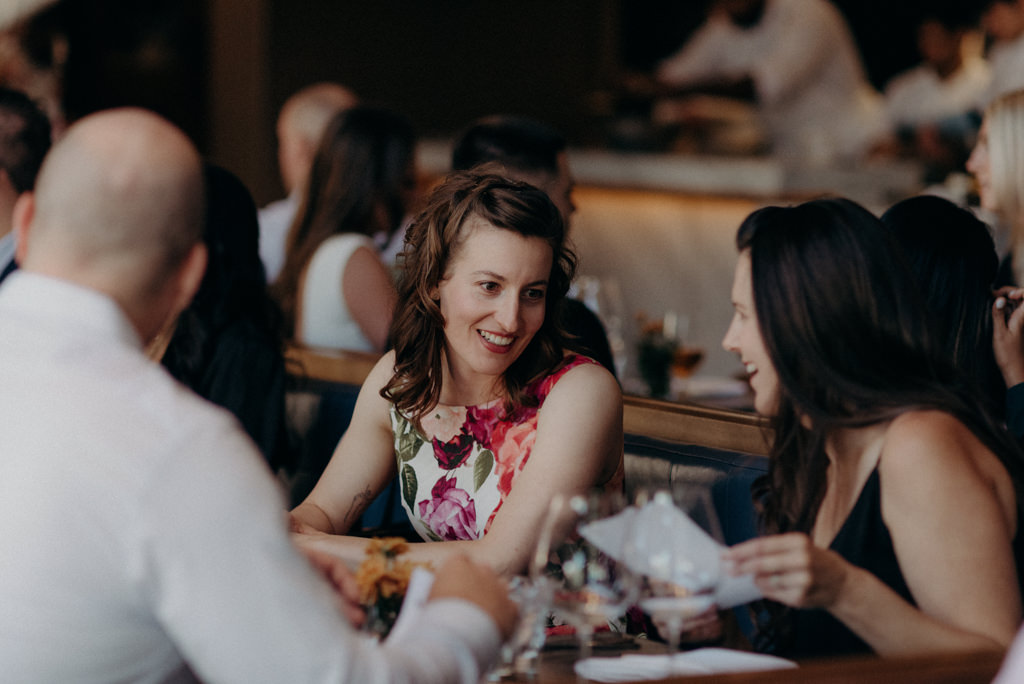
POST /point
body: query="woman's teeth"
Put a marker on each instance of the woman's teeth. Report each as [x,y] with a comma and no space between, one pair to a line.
[496,339]
[750,368]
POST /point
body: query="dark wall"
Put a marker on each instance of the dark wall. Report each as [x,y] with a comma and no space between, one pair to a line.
[445,62]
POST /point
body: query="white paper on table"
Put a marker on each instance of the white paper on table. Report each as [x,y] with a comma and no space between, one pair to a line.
[416,594]
[610,533]
[635,667]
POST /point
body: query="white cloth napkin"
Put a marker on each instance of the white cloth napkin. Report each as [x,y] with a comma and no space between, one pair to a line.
[416,594]
[609,533]
[635,667]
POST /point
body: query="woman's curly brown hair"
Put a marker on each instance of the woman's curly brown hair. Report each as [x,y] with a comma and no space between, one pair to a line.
[433,240]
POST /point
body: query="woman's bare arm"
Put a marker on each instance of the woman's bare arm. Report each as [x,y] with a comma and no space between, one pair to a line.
[578,445]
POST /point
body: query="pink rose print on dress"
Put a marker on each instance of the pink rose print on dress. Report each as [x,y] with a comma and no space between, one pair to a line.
[481,422]
[452,454]
[513,445]
[450,513]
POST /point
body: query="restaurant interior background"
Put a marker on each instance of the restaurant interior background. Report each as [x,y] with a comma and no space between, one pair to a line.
[654,229]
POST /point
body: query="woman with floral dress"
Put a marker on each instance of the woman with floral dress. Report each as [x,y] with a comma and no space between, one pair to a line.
[479,410]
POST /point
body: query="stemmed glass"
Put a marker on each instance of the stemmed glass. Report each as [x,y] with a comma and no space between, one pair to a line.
[579,555]
[520,651]
[672,544]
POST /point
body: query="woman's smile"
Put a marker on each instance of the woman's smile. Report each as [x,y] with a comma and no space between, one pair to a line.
[493,300]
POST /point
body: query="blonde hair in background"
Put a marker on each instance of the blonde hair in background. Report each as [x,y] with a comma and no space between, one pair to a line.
[1004,120]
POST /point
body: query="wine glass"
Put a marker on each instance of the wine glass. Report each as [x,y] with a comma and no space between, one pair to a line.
[579,554]
[674,543]
[520,651]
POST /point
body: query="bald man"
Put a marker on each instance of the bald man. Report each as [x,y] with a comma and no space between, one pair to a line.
[143,541]
[301,124]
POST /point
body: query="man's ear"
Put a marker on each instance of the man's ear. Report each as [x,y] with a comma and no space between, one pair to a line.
[24,213]
[190,276]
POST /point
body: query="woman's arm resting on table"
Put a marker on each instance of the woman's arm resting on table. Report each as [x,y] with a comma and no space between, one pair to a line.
[579,444]
[952,540]
[360,468]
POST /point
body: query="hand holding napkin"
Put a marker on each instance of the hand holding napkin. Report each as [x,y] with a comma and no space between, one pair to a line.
[608,535]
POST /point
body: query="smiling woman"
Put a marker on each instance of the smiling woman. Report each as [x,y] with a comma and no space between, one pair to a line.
[479,409]
[892,499]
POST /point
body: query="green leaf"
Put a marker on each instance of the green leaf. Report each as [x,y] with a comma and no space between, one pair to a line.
[409,486]
[482,468]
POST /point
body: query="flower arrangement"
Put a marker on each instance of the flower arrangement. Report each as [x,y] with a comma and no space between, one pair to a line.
[655,351]
[383,578]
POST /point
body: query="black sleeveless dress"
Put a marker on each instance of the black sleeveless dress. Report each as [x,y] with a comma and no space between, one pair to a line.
[864,541]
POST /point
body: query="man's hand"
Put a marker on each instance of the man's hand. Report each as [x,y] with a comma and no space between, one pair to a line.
[461,578]
[341,579]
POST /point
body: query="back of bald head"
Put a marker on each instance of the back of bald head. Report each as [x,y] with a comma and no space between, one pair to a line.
[120,195]
[307,113]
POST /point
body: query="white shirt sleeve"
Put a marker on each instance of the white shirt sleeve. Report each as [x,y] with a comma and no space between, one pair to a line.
[800,42]
[700,58]
[242,605]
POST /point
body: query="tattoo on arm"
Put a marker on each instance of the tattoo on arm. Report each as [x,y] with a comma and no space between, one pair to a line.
[359,503]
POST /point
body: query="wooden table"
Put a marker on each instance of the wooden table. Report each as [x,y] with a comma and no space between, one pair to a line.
[964,668]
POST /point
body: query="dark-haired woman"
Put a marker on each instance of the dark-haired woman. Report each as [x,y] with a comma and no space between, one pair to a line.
[890,506]
[479,409]
[333,289]
[953,262]
[227,345]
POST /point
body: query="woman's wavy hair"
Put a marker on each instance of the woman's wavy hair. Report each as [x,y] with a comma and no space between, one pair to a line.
[431,243]
[359,182]
[848,337]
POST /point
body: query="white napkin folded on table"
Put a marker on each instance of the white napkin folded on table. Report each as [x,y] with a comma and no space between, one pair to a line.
[635,667]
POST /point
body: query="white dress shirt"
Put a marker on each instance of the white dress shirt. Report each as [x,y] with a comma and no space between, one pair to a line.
[1007,61]
[919,96]
[275,220]
[811,87]
[142,535]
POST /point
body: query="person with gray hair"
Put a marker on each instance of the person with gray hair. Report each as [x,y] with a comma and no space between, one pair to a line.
[300,125]
[144,540]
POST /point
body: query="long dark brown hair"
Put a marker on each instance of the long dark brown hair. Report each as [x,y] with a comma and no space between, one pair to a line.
[359,181]
[433,240]
[848,337]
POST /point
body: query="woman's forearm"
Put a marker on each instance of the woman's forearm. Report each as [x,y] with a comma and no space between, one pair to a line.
[891,626]
[308,516]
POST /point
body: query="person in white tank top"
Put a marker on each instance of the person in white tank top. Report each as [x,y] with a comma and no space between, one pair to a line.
[333,289]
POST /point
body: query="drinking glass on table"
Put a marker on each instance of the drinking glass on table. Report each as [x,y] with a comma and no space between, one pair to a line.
[671,544]
[520,651]
[579,554]
[686,356]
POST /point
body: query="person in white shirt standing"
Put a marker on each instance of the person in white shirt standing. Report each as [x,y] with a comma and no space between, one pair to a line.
[797,60]
[1003,22]
[300,125]
[142,539]
[933,107]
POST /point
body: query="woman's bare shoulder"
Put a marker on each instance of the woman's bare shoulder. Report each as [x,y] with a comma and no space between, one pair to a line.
[931,443]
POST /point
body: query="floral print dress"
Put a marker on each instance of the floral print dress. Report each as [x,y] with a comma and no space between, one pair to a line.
[456,473]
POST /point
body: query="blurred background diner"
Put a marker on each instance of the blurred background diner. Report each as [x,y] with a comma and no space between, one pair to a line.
[649,202]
